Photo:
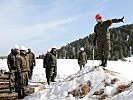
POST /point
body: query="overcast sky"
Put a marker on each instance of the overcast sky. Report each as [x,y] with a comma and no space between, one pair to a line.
[42,24]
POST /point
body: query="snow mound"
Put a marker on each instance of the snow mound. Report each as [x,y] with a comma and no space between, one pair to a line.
[90,83]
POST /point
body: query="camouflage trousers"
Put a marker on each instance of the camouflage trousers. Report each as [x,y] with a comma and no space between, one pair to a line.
[103,50]
[13,80]
[22,82]
[54,73]
[51,73]
[30,72]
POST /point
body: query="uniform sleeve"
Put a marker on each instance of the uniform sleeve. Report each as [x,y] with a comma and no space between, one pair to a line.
[94,35]
[109,21]
[116,20]
[44,61]
[18,64]
[8,62]
[34,61]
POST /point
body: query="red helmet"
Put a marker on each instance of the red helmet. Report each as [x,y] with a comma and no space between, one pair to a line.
[98,16]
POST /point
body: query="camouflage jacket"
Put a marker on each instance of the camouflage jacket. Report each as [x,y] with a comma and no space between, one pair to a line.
[31,59]
[51,60]
[82,57]
[46,60]
[11,61]
[22,63]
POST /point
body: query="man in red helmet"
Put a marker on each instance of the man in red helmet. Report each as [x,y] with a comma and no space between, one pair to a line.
[102,37]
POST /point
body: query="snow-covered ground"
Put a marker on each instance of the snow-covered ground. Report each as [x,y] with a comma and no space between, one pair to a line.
[90,83]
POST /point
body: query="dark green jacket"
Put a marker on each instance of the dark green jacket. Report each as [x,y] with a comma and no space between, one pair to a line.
[102,32]
[82,57]
[31,59]
[53,60]
[22,63]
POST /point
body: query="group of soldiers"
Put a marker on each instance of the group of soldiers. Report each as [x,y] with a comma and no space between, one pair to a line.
[101,41]
[21,62]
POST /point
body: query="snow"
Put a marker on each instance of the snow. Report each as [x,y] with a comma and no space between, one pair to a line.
[70,78]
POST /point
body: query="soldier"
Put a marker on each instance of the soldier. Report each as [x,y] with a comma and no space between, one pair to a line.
[32,62]
[82,58]
[53,63]
[50,63]
[11,62]
[22,64]
[102,36]
[46,64]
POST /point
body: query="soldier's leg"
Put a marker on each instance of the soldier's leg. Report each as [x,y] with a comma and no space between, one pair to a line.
[12,81]
[29,74]
[106,53]
[26,78]
[21,86]
[83,64]
[16,81]
[54,74]
[48,75]
[100,53]
[80,66]
[31,71]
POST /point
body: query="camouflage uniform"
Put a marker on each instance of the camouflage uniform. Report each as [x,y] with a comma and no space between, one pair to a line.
[53,65]
[46,64]
[22,71]
[102,36]
[50,63]
[32,63]
[11,62]
[82,59]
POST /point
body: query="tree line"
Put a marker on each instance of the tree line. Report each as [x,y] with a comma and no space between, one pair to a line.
[121,45]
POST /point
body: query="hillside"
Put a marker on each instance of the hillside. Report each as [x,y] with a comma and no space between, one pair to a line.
[121,44]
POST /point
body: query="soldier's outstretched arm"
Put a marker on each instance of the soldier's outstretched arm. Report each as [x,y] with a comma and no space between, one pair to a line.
[116,20]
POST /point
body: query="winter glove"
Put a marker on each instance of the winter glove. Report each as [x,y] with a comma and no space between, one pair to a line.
[121,19]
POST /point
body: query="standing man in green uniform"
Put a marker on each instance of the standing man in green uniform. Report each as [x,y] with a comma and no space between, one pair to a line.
[82,58]
[50,63]
[22,63]
[46,64]
[32,62]
[53,63]
[11,62]
[102,37]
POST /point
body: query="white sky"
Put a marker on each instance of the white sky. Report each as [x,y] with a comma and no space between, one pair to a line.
[42,24]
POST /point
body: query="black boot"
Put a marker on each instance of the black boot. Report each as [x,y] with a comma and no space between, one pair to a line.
[53,79]
[102,63]
[48,81]
[105,63]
